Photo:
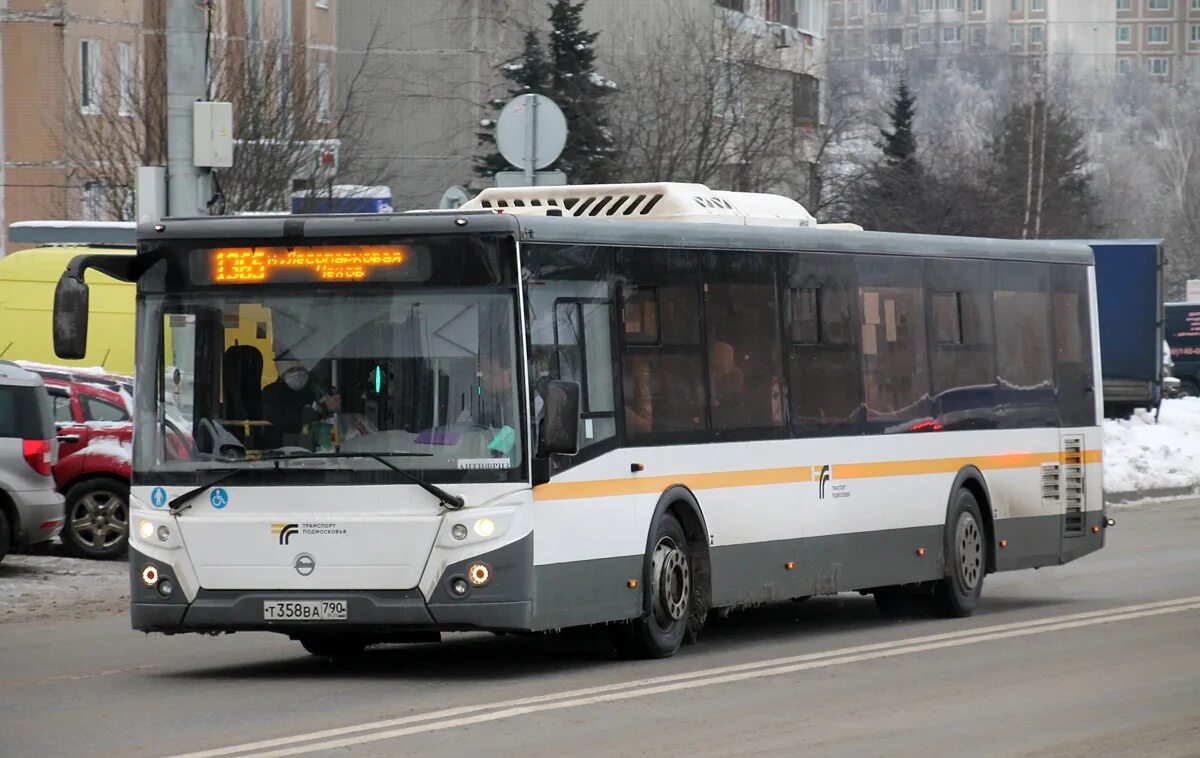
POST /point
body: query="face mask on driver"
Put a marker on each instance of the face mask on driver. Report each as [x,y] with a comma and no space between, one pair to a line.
[296,379]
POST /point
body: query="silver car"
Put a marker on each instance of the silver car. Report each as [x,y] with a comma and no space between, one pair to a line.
[31,510]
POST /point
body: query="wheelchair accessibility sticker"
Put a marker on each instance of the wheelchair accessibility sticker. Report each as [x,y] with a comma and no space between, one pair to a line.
[158,497]
[219,498]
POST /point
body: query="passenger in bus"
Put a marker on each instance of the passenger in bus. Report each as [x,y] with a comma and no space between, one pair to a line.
[728,383]
[639,407]
[293,401]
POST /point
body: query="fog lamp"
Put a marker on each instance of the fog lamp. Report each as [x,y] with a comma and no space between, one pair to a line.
[485,527]
[459,586]
[150,575]
[145,529]
[164,533]
[166,587]
[459,531]
[479,574]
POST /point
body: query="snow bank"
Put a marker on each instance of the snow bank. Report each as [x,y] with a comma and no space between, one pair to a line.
[1142,455]
[52,587]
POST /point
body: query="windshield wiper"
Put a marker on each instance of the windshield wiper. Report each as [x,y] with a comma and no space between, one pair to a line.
[453,502]
[181,503]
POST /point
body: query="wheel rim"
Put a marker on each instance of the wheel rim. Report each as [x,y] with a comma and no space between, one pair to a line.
[672,583]
[99,519]
[969,542]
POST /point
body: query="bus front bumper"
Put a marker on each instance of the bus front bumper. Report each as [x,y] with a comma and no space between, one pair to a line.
[504,604]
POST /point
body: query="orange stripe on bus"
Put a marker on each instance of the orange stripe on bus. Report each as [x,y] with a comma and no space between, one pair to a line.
[795,474]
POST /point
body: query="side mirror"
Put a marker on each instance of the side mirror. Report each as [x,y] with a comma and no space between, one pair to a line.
[70,317]
[560,427]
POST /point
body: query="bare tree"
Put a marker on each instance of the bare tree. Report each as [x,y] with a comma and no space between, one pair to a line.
[707,98]
[284,111]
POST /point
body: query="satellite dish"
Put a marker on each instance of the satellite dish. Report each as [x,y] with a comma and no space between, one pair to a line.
[531,123]
[455,197]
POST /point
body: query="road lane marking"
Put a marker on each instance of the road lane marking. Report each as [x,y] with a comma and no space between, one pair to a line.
[451,718]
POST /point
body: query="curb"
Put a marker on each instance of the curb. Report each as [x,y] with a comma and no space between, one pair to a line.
[1164,493]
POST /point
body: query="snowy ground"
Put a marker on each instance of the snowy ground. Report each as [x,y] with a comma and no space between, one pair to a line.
[1140,455]
[43,587]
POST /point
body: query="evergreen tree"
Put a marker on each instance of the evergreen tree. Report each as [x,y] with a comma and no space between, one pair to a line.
[900,144]
[528,73]
[1040,186]
[589,155]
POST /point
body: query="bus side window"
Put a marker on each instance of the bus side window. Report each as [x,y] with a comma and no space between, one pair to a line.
[1024,349]
[822,329]
[961,344]
[1072,336]
[895,361]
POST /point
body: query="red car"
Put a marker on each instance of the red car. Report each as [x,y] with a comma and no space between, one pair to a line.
[95,435]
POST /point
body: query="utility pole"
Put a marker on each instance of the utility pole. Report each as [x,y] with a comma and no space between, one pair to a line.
[188,188]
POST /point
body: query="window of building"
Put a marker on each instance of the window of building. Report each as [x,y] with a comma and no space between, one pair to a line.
[1036,35]
[806,100]
[124,79]
[977,6]
[1158,34]
[951,5]
[1195,33]
[324,95]
[92,201]
[837,13]
[89,76]
[928,5]
[927,33]
[1015,6]
[1124,5]
[1123,66]
[1124,34]
[741,317]
[1037,5]
[855,8]
[1196,5]
[823,332]
[951,34]
[1158,66]
[977,36]
[1017,36]
[1158,5]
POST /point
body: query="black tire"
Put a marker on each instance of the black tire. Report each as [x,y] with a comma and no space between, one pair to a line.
[6,532]
[97,519]
[957,595]
[337,647]
[671,595]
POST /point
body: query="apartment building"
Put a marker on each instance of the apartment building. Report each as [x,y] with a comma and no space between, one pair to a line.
[434,67]
[1159,37]
[917,37]
[96,68]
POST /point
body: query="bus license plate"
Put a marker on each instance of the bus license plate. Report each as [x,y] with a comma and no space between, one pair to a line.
[305,610]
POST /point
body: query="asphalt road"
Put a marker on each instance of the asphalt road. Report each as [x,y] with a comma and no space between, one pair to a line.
[1100,657]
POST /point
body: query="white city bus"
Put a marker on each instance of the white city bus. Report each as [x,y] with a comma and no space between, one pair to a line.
[622,405]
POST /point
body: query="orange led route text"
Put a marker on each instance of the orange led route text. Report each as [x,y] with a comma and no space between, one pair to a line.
[345,263]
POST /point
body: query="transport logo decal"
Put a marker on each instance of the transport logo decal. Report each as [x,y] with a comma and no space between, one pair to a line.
[158,497]
[822,474]
[304,564]
[219,498]
[285,532]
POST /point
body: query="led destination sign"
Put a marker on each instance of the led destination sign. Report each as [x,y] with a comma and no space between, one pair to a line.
[335,263]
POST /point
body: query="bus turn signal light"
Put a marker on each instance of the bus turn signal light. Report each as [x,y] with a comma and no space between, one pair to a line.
[790,565]
[1095,530]
[920,552]
[1003,543]
[636,468]
[632,584]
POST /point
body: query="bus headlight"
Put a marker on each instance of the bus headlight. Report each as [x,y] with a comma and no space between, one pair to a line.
[145,529]
[485,527]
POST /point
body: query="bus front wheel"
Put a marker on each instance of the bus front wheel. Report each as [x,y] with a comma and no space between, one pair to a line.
[661,629]
[957,594]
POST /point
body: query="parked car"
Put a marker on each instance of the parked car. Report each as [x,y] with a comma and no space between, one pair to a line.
[95,435]
[31,510]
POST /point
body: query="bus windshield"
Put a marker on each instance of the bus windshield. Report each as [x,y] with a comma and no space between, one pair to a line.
[263,377]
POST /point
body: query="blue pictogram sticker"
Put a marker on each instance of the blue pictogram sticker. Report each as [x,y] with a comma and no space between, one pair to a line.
[219,498]
[158,497]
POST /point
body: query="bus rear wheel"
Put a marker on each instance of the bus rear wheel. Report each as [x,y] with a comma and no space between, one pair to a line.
[336,647]
[661,629]
[957,594]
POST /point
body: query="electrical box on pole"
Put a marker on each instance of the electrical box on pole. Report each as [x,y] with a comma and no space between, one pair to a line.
[212,141]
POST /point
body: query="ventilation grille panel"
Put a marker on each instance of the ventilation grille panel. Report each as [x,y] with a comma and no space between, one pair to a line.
[1072,486]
